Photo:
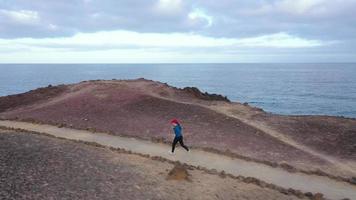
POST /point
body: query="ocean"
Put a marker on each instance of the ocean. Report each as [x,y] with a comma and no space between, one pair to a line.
[293,89]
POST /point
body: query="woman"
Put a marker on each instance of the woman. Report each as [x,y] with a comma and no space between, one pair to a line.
[178,135]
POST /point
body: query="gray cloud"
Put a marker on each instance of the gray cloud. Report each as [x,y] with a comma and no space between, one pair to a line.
[72,16]
[323,20]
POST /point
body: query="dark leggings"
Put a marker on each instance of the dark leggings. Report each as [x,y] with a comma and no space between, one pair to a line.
[180,140]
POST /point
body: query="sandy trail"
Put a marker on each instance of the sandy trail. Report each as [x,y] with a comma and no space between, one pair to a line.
[307,183]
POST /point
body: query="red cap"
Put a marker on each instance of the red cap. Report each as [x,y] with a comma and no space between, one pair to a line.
[174,121]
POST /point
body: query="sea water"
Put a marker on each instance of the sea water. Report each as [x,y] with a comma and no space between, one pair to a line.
[294,89]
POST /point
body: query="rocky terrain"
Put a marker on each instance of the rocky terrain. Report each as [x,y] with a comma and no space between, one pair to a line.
[142,108]
[39,167]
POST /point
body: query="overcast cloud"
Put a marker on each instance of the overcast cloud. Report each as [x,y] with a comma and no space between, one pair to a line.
[178,31]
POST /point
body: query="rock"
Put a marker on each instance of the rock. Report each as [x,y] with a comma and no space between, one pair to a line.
[320,173]
[205,96]
[291,191]
[308,194]
[240,178]
[213,171]
[222,174]
[263,184]
[179,173]
[299,193]
[353,180]
[284,191]
[318,196]
[287,167]
[251,180]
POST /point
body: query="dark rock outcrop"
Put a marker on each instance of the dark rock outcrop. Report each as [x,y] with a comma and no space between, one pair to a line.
[205,96]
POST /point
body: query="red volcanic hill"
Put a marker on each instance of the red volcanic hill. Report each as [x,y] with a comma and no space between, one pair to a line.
[142,108]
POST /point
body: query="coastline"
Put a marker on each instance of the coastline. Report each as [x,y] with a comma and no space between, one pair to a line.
[117,107]
[284,89]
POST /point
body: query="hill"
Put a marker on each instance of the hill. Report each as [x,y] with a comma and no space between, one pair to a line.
[142,108]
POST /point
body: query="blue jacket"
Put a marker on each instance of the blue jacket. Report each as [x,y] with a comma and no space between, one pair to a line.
[177,130]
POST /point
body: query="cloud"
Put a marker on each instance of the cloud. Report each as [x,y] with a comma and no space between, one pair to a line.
[299,6]
[52,27]
[124,39]
[232,27]
[128,46]
[295,7]
[198,15]
[169,6]
[316,19]
[225,18]
[281,40]
[21,16]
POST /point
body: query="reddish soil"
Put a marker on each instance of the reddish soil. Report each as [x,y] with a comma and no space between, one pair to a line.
[39,167]
[333,135]
[31,97]
[142,108]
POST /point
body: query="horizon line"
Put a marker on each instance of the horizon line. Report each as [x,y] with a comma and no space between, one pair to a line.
[118,63]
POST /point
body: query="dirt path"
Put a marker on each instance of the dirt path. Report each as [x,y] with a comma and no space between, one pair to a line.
[226,110]
[306,183]
[262,127]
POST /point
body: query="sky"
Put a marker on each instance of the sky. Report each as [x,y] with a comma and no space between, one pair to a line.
[177,31]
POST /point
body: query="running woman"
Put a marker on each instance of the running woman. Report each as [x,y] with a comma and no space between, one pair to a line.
[177,129]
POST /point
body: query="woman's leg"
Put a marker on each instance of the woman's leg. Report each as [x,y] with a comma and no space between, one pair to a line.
[174,143]
[182,143]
